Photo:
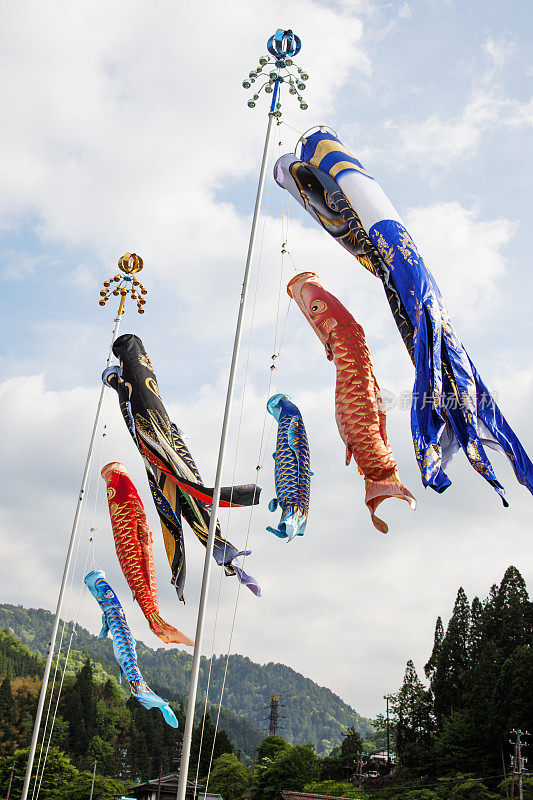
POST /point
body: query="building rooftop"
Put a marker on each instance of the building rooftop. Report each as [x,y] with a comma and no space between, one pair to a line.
[304,796]
[170,783]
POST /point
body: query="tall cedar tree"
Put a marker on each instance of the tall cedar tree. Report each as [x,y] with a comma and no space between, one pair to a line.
[79,710]
[351,748]
[481,674]
[438,637]
[204,743]
[451,666]
[6,699]
[412,707]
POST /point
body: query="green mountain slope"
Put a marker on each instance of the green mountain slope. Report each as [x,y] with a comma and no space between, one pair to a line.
[17,660]
[312,713]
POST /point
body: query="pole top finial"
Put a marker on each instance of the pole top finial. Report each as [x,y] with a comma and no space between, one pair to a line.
[129,264]
[275,69]
[284,44]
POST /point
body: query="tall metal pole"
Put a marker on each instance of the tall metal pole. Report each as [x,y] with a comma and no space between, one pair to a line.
[388,735]
[193,686]
[282,45]
[92,784]
[128,267]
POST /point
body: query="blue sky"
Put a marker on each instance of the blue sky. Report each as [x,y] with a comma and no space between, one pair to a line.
[127,129]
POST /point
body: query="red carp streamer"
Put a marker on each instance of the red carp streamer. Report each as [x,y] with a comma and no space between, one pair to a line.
[133,544]
[360,419]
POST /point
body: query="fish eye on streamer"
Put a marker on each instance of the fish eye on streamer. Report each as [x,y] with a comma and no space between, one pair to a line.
[318,306]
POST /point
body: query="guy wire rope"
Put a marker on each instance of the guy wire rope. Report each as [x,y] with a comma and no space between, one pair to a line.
[228,518]
[67,655]
[39,773]
[58,652]
[261,456]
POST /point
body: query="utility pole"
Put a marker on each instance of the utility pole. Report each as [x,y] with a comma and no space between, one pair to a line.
[10,781]
[274,715]
[360,771]
[388,734]
[505,775]
[254,763]
[518,761]
[351,758]
[159,781]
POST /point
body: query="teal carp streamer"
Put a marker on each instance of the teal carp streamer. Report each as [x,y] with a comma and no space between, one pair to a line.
[114,620]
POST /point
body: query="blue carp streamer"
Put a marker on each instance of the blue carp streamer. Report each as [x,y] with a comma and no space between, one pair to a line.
[452,408]
[114,620]
[291,472]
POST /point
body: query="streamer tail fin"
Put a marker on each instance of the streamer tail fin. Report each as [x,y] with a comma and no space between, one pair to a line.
[166,632]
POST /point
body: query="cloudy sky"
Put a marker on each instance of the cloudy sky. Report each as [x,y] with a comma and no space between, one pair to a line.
[125,127]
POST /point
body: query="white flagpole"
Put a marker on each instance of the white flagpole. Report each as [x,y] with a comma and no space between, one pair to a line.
[195,667]
[75,525]
[285,45]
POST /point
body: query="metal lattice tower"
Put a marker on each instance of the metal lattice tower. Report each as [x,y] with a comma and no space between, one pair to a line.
[274,715]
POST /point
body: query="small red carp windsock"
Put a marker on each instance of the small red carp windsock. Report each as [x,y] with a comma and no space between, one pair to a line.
[360,418]
[133,543]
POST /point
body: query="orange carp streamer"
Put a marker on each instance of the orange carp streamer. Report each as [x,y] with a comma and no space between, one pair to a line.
[133,544]
[360,418]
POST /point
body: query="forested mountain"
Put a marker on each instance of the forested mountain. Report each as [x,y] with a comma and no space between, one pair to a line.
[450,738]
[98,720]
[312,713]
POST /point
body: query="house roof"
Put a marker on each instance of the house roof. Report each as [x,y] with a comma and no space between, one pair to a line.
[166,780]
[171,782]
[304,796]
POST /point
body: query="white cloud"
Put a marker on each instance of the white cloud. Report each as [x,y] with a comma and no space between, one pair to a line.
[125,123]
[466,255]
[499,50]
[128,133]
[441,142]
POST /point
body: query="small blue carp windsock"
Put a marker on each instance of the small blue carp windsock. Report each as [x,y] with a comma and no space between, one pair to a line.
[292,473]
[114,620]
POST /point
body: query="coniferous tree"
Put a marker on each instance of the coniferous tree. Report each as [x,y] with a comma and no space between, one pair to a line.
[512,613]
[80,710]
[452,663]
[205,746]
[351,748]
[476,627]
[6,699]
[431,665]
[412,707]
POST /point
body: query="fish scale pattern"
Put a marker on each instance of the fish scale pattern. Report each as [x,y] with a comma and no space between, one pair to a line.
[133,545]
[114,621]
[292,468]
[360,419]
[292,473]
[123,641]
[361,423]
